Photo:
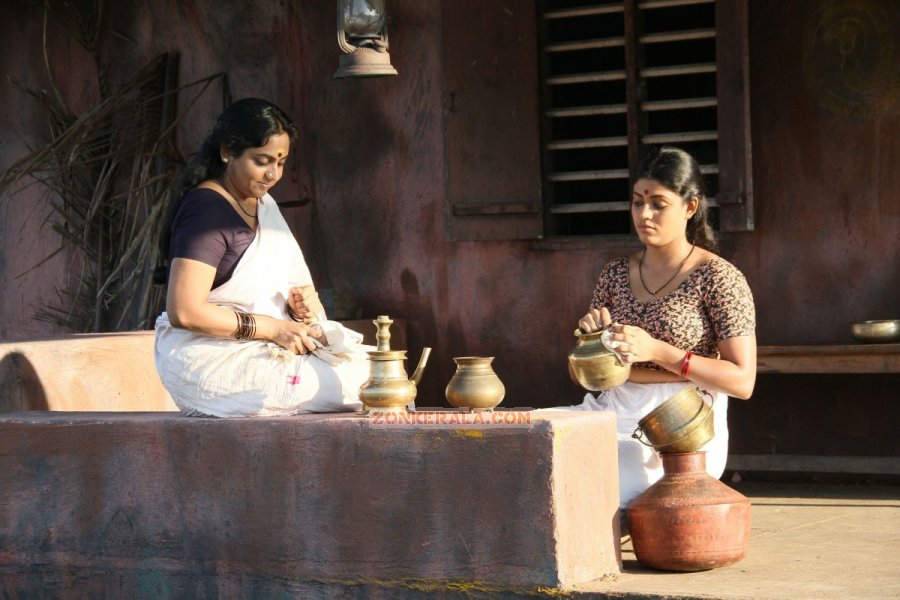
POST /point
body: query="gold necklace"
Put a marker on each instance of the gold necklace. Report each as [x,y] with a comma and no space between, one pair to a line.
[660,288]
[238,202]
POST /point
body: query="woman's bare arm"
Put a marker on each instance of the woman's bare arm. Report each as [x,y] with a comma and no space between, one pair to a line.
[188,308]
[733,373]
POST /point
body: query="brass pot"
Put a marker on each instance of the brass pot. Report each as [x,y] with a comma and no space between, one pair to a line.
[595,367]
[388,388]
[681,424]
[475,385]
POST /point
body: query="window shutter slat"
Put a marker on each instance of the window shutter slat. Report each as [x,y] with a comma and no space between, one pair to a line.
[635,92]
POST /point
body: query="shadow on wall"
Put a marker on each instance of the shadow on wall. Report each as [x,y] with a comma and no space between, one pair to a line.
[22,388]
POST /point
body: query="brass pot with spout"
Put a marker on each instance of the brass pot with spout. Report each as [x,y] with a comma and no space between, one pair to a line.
[595,367]
[388,388]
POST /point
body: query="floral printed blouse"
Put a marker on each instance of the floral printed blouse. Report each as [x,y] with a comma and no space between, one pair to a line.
[713,303]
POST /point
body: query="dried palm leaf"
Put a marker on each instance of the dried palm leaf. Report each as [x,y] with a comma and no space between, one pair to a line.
[108,175]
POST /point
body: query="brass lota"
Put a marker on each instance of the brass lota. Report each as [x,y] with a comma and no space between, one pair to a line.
[595,367]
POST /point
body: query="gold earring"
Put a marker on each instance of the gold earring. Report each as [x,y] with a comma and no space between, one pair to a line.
[225,159]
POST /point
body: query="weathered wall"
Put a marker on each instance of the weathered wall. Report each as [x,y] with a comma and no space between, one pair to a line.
[26,241]
[826,145]
[825,149]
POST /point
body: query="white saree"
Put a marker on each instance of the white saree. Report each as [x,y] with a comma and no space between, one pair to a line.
[228,378]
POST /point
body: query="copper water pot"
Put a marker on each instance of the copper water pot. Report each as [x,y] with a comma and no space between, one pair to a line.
[688,520]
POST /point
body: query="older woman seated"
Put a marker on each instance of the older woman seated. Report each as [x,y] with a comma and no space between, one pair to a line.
[244,332]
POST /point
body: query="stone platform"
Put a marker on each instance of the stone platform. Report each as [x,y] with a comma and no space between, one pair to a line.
[157,505]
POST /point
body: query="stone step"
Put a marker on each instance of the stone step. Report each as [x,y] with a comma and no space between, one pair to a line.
[126,505]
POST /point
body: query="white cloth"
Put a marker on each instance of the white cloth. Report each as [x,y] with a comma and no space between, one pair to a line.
[228,378]
[640,465]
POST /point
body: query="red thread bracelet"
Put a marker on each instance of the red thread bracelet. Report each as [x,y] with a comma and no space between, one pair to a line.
[685,370]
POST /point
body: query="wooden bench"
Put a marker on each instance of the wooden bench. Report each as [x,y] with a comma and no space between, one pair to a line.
[823,359]
[829,358]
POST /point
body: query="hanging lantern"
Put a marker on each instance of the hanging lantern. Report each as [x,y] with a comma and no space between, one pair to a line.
[362,36]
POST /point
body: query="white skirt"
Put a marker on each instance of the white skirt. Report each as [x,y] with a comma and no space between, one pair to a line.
[640,465]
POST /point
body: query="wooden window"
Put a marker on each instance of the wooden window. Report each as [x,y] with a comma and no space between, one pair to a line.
[549,105]
[618,77]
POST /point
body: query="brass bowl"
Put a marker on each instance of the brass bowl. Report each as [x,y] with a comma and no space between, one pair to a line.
[876,332]
[684,423]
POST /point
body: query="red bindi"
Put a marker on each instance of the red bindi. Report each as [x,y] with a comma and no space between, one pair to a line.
[646,192]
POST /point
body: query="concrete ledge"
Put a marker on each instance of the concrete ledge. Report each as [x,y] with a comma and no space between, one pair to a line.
[160,505]
[102,371]
[82,372]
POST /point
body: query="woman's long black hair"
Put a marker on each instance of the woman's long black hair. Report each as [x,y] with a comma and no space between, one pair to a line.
[678,171]
[247,123]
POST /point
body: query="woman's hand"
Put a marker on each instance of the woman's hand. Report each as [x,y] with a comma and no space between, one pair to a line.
[594,320]
[296,337]
[304,303]
[635,344]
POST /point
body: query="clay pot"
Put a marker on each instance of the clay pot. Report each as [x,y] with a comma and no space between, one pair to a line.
[689,521]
